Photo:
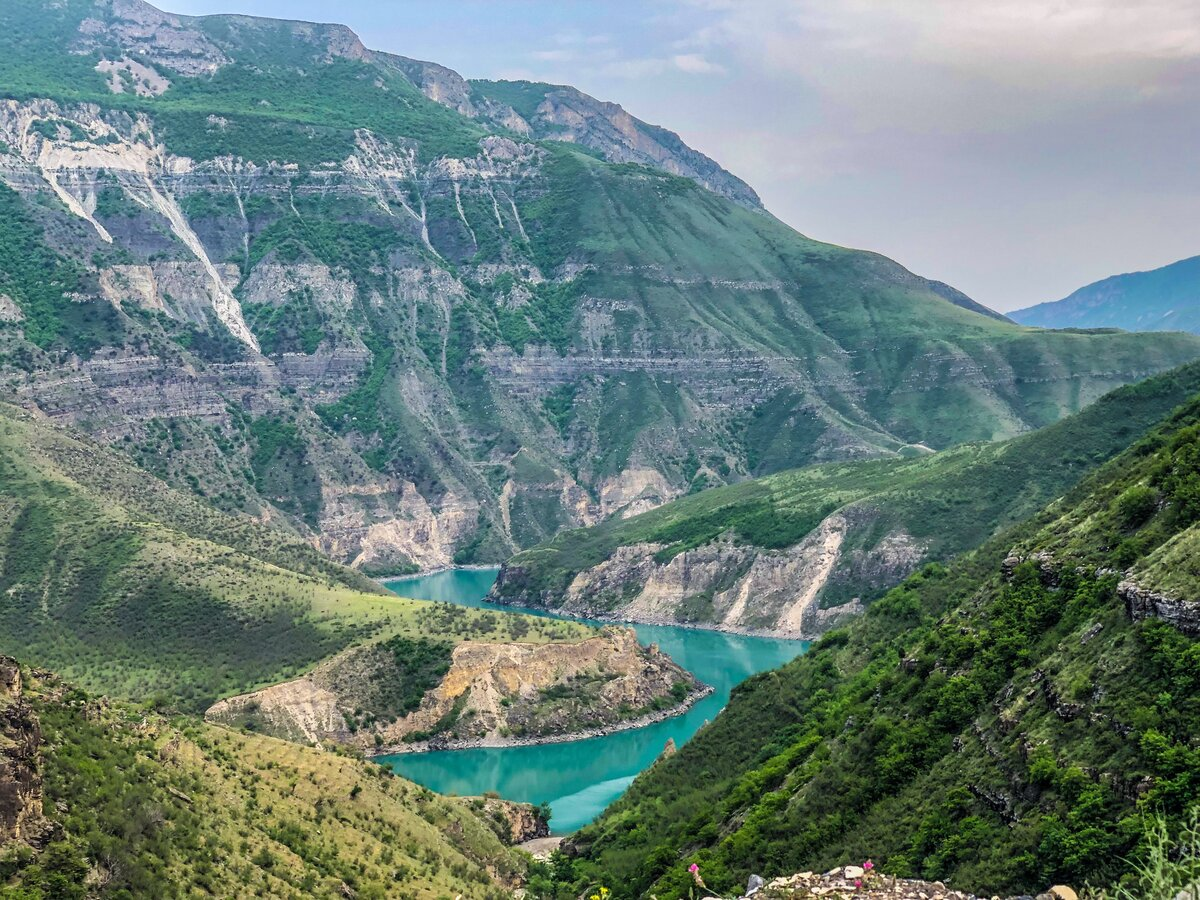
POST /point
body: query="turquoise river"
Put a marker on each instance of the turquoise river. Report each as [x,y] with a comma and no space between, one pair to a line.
[580,778]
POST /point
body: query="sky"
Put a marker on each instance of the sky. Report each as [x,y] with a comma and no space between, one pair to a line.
[1017,149]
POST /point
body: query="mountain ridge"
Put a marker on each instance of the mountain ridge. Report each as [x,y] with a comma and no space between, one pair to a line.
[1166,298]
[288,280]
[1000,723]
[799,552]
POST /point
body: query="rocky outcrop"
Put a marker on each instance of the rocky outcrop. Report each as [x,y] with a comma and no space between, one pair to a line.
[20,770]
[492,694]
[1142,603]
[867,884]
[729,585]
[515,823]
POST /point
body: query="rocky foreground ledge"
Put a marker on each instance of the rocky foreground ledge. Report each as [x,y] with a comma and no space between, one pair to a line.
[857,883]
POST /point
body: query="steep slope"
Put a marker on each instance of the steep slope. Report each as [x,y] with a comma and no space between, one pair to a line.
[397,696]
[1164,299]
[121,803]
[563,113]
[1000,724]
[143,592]
[797,552]
[286,278]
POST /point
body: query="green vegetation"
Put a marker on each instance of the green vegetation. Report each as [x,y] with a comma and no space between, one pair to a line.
[523,96]
[295,327]
[260,108]
[40,281]
[949,501]
[282,470]
[175,808]
[1000,725]
[143,592]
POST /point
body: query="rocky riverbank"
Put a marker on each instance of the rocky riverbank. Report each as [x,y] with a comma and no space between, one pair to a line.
[651,718]
[486,694]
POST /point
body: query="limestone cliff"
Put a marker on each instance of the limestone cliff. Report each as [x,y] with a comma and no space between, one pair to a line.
[730,585]
[514,823]
[489,695]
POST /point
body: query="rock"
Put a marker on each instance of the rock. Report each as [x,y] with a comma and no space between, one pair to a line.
[1142,603]
[754,885]
[1058,892]
[20,761]
[503,683]
[853,872]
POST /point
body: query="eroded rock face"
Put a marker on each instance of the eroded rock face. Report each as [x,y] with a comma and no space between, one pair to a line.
[1142,603]
[729,585]
[514,822]
[493,694]
[20,774]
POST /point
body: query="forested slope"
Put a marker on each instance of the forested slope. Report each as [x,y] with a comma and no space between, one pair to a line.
[804,544]
[1001,723]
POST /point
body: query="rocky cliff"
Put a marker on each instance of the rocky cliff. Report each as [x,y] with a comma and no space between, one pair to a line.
[408,318]
[20,768]
[723,585]
[488,695]
[798,553]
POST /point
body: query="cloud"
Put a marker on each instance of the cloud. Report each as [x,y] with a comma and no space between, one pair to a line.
[696,64]
[1005,40]
[556,56]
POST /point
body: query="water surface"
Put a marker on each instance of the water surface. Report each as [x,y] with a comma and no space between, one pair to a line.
[580,778]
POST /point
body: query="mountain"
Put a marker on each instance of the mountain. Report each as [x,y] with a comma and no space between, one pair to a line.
[797,552]
[145,593]
[414,320]
[1165,299]
[1003,723]
[105,799]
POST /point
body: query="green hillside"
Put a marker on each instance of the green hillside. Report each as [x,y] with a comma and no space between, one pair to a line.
[131,588]
[129,804]
[945,502]
[339,290]
[1002,723]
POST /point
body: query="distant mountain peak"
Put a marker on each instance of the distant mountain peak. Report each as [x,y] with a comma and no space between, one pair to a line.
[1162,299]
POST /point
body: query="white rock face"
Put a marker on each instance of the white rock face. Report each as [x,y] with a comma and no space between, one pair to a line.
[736,587]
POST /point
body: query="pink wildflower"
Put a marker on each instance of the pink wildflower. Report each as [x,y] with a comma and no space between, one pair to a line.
[868,865]
[858,882]
[693,868]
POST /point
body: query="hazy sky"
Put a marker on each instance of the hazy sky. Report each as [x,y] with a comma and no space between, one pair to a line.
[1017,149]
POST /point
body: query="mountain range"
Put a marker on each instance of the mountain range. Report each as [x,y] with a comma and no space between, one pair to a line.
[415,320]
[279,313]
[1164,299]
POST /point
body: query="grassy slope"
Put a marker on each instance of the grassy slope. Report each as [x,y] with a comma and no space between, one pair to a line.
[128,587]
[1000,732]
[951,501]
[175,808]
[267,118]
